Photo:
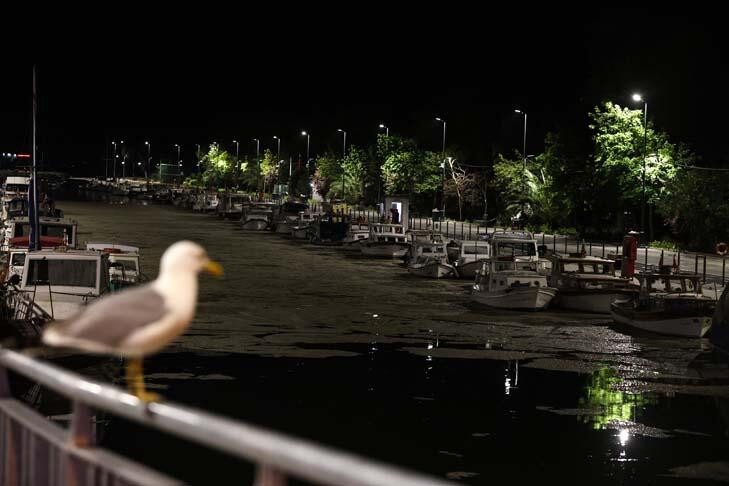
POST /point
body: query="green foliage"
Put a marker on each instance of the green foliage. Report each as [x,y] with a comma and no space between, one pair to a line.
[619,139]
[250,174]
[355,174]
[269,168]
[218,167]
[406,168]
[697,211]
[664,244]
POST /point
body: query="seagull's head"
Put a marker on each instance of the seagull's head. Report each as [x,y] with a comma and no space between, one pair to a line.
[186,256]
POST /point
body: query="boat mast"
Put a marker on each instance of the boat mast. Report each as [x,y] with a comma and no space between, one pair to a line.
[34,236]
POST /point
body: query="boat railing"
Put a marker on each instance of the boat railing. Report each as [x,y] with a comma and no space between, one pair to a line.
[38,451]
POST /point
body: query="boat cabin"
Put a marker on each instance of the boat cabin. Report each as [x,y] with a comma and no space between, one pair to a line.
[62,282]
[53,232]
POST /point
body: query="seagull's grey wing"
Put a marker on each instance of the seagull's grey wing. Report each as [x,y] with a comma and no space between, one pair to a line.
[111,319]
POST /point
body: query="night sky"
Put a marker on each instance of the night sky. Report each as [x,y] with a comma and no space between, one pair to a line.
[471,68]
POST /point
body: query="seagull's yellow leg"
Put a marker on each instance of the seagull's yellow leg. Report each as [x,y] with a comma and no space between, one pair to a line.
[135,381]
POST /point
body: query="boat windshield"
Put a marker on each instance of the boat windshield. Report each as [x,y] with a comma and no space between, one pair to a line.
[56,230]
[18,259]
[126,264]
[475,250]
[16,188]
[71,273]
[516,248]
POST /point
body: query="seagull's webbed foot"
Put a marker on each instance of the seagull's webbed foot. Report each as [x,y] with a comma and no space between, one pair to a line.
[135,382]
[148,396]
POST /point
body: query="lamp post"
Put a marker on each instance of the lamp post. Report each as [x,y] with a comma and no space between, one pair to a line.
[443,178]
[639,98]
[524,155]
[197,153]
[113,161]
[387,129]
[149,160]
[308,139]
[258,162]
[278,147]
[344,154]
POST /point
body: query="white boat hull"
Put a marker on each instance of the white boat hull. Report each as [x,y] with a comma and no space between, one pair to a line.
[284,227]
[693,327]
[255,224]
[468,270]
[588,302]
[383,251]
[433,270]
[524,298]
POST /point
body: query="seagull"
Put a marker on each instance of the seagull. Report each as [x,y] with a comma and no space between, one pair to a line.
[138,322]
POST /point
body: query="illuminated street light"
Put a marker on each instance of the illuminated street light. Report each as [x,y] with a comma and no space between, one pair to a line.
[387,129]
[308,139]
[638,98]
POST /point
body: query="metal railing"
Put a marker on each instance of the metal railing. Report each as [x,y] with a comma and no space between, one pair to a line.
[70,458]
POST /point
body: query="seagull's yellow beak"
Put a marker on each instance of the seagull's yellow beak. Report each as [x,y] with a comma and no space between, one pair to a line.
[213,268]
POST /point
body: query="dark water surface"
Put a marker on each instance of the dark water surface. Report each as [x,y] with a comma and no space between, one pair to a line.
[358,354]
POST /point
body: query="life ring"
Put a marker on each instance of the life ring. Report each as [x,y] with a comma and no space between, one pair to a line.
[721,248]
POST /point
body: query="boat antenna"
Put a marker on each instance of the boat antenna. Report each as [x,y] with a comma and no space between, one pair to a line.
[34,235]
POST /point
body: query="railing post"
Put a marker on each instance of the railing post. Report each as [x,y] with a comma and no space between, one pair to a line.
[269,476]
[81,432]
[704,274]
[696,264]
[723,269]
[645,260]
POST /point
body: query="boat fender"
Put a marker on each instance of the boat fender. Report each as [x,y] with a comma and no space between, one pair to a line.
[721,248]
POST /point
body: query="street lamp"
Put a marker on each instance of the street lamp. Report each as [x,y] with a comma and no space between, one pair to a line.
[149,159]
[523,153]
[443,177]
[639,98]
[236,148]
[113,161]
[344,154]
[278,148]
[308,139]
[387,129]
[179,160]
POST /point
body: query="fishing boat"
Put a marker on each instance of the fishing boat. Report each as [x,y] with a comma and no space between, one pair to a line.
[15,187]
[53,232]
[468,256]
[62,282]
[288,217]
[357,232]
[231,205]
[304,226]
[124,269]
[430,260]
[258,216]
[507,283]
[587,283]
[386,240]
[667,303]
[416,238]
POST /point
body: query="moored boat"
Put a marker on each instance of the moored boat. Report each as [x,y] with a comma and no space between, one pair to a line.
[587,283]
[667,303]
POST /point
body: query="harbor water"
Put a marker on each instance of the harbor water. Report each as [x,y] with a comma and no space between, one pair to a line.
[357,353]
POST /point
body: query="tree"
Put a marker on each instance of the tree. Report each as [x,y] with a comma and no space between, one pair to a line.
[218,167]
[269,169]
[618,137]
[355,166]
[459,182]
[328,172]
